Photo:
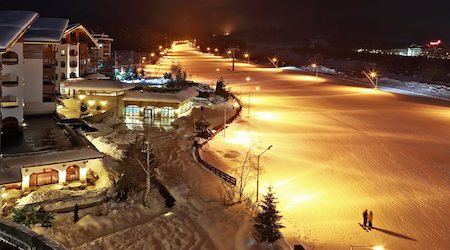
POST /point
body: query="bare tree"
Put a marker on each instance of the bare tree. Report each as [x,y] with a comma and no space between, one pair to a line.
[149,170]
[227,193]
[245,173]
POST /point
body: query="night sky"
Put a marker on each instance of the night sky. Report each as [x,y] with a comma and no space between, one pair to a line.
[136,23]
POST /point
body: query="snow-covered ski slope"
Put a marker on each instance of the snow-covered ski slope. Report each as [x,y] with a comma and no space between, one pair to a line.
[338,149]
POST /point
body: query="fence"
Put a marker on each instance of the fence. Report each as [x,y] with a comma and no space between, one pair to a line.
[226,177]
[24,238]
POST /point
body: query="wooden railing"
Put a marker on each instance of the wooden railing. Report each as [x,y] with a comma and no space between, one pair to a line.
[226,177]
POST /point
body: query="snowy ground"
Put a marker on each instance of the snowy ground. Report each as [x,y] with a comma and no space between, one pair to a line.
[337,150]
[199,219]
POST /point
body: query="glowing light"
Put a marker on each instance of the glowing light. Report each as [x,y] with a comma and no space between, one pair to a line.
[274,59]
[247,78]
[91,102]
[378,248]
[208,49]
[81,97]
[160,46]
[217,69]
[246,55]
[373,74]
[265,116]
[229,51]
[168,214]
[257,88]
[4,195]
[103,103]
[314,65]
[241,138]
[216,50]
[435,43]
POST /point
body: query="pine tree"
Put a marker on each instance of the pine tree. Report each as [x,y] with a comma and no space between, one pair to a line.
[267,221]
[201,128]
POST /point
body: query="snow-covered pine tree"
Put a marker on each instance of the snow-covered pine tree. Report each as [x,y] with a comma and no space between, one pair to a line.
[267,222]
[201,128]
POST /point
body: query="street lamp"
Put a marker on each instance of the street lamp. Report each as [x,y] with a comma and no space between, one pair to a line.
[316,68]
[372,76]
[208,49]
[274,61]
[247,55]
[257,173]
[367,247]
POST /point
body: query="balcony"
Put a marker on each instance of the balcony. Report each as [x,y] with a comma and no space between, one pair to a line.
[10,80]
[10,58]
[10,101]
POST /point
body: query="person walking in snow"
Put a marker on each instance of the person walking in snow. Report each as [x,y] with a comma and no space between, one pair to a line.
[365,218]
[369,219]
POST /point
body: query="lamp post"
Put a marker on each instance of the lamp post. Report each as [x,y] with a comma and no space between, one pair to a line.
[316,68]
[274,61]
[257,173]
[372,76]
[247,55]
[224,118]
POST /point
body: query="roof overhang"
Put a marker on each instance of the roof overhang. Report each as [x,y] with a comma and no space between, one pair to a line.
[16,23]
[46,31]
[80,26]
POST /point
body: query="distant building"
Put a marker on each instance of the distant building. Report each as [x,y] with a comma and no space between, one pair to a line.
[103,53]
[73,53]
[134,106]
[433,49]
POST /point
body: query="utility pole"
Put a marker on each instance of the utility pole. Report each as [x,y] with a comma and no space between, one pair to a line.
[232,53]
[225,118]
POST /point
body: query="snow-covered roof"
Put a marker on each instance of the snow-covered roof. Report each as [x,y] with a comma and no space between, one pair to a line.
[74,26]
[13,25]
[96,76]
[10,172]
[96,84]
[179,97]
[46,30]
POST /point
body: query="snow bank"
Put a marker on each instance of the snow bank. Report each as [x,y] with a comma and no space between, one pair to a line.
[429,89]
[320,69]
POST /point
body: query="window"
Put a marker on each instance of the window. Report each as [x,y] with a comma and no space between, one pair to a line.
[63,52]
[73,64]
[63,76]
[167,112]
[73,173]
[10,80]
[132,111]
[10,58]
[73,52]
[73,75]
[63,64]
[44,177]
